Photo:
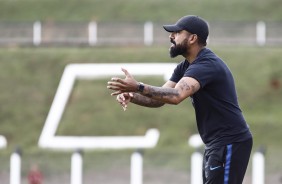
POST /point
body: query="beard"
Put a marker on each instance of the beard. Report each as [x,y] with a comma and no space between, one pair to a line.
[178,49]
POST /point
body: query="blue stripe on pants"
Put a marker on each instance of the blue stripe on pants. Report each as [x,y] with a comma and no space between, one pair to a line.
[227,163]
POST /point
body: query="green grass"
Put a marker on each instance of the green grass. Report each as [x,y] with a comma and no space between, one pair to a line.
[133,10]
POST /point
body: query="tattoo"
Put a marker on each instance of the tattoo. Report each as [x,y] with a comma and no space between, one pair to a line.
[184,86]
[145,101]
[187,87]
[161,92]
[157,96]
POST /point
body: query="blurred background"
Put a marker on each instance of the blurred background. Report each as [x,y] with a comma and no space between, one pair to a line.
[38,39]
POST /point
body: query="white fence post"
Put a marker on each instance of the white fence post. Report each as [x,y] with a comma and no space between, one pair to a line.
[136,168]
[261,33]
[37,33]
[196,142]
[3,142]
[196,167]
[148,33]
[92,33]
[15,167]
[76,167]
[258,168]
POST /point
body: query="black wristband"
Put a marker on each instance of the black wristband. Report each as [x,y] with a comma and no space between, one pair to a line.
[140,87]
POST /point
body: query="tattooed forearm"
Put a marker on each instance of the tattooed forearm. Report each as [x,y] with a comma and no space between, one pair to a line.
[173,95]
[161,92]
[169,94]
[145,101]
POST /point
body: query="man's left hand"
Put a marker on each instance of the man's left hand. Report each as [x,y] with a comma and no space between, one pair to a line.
[129,84]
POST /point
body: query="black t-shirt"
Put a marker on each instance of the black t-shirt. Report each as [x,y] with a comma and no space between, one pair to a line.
[219,117]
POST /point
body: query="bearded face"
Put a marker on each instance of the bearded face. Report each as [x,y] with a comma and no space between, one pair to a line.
[178,49]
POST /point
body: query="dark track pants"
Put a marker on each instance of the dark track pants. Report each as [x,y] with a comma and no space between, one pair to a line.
[228,164]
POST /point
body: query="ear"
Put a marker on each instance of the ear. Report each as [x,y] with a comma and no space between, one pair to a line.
[193,38]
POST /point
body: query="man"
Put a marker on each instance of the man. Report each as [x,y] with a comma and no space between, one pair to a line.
[206,79]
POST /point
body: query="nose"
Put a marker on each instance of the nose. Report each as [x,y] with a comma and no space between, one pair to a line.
[171,36]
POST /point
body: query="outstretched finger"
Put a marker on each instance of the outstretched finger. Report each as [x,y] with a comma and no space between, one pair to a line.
[116,93]
[127,74]
[124,107]
[116,79]
[115,85]
[113,88]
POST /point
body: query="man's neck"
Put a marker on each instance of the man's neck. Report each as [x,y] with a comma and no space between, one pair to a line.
[193,54]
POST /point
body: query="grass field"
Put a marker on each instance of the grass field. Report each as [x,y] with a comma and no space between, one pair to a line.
[136,10]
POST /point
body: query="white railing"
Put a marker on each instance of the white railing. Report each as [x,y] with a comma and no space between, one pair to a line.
[149,33]
[136,172]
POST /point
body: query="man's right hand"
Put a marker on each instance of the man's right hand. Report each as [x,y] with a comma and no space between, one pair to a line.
[123,99]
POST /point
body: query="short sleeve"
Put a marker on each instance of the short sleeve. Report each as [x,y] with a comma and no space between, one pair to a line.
[204,71]
[179,71]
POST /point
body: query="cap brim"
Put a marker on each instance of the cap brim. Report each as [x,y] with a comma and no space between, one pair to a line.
[172,28]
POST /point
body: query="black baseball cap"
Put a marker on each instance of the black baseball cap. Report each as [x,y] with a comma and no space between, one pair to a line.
[191,23]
